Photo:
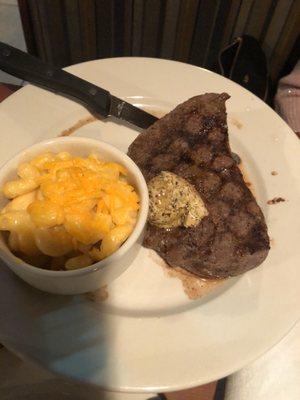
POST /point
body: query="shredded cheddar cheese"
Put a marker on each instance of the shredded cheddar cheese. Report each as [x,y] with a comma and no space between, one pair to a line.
[79,210]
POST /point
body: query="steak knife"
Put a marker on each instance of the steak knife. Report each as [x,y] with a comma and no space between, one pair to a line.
[97,100]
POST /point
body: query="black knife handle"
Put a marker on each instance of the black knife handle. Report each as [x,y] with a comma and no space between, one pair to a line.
[32,69]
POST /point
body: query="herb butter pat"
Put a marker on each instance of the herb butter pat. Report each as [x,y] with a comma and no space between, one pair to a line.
[174,202]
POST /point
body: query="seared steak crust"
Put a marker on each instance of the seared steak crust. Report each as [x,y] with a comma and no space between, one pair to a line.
[192,141]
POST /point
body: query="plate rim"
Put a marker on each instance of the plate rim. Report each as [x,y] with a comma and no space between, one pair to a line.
[150,389]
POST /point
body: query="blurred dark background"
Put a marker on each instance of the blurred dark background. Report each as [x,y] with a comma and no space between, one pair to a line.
[66,32]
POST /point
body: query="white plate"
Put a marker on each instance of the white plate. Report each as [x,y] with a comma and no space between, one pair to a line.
[148,336]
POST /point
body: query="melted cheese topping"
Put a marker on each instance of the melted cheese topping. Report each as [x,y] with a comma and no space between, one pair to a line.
[74,207]
[174,202]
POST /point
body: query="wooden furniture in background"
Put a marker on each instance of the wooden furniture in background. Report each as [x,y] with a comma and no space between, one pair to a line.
[66,32]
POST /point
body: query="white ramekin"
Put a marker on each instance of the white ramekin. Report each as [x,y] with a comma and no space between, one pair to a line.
[103,272]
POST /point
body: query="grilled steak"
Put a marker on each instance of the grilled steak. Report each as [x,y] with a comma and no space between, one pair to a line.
[192,142]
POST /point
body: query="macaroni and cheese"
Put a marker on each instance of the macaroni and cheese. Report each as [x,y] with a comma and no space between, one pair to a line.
[68,212]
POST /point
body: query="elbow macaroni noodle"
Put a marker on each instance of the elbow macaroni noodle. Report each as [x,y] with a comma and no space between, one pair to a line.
[68,212]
